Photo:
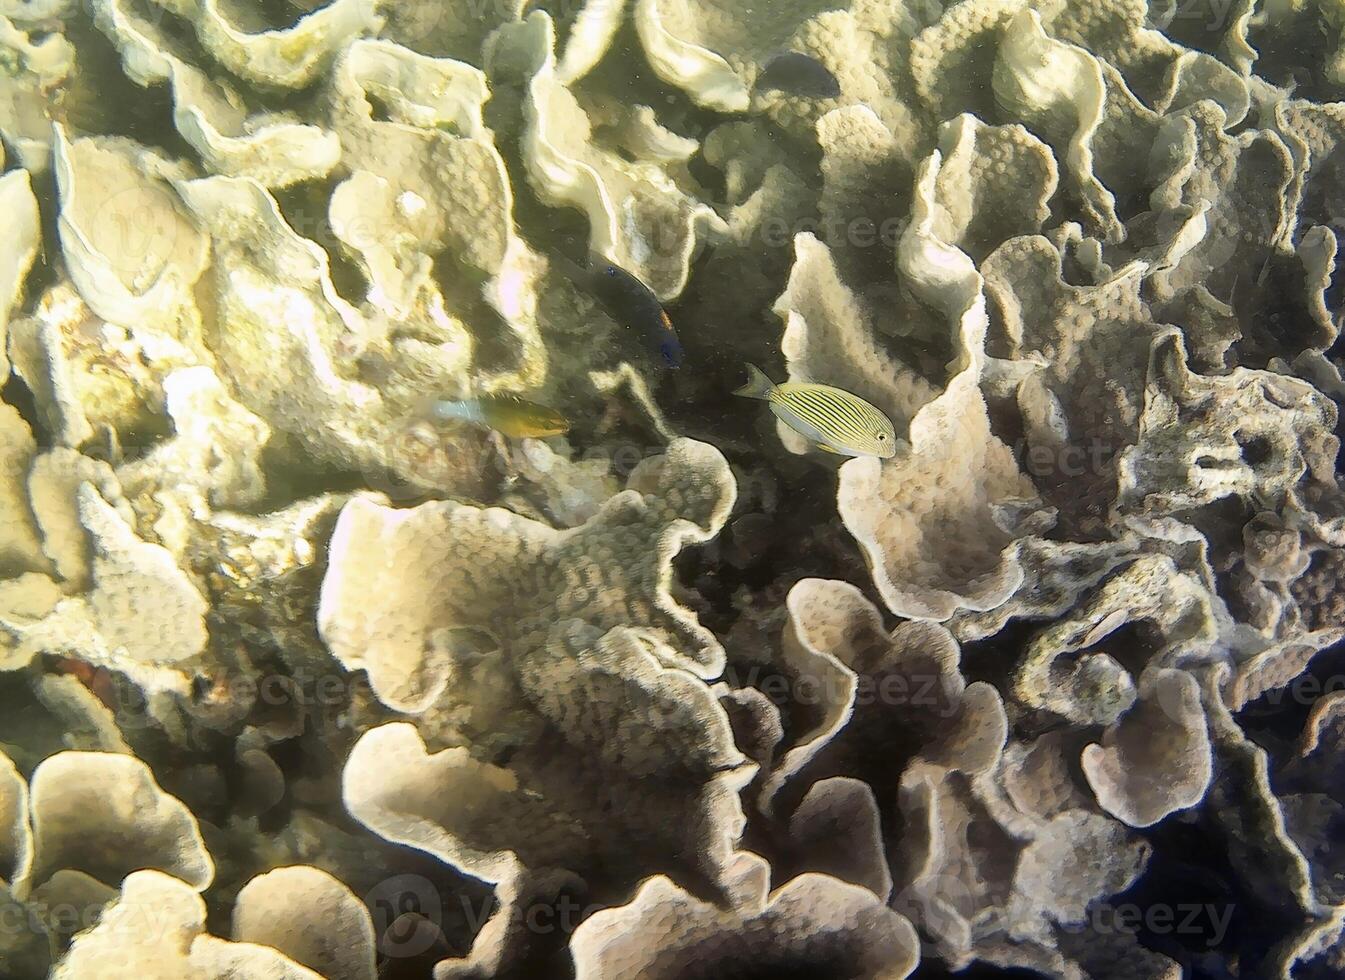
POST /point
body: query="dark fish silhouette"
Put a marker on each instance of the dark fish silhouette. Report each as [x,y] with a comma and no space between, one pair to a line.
[631,303]
[798,74]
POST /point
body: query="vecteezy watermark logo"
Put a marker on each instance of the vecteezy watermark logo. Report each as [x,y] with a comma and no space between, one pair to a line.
[401,908]
[942,905]
[1186,919]
[135,232]
[834,232]
[39,918]
[926,690]
[1306,690]
[1208,15]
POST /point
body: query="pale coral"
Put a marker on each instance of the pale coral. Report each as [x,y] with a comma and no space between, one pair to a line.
[812,921]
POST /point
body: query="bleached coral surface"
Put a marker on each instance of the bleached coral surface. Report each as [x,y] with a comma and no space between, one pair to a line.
[299,678]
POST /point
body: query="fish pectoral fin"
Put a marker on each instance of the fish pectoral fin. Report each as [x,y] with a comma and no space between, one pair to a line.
[829,449]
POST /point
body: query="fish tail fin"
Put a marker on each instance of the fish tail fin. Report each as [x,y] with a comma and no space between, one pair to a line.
[758,385]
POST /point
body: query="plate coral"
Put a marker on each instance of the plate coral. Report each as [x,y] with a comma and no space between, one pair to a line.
[311,667]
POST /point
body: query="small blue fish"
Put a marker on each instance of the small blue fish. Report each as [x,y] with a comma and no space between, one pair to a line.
[836,420]
[795,73]
[631,303]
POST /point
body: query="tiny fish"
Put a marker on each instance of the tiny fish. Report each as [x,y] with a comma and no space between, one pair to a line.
[798,74]
[631,303]
[97,679]
[836,420]
[508,415]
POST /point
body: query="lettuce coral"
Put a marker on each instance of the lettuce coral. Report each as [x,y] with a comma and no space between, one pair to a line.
[301,676]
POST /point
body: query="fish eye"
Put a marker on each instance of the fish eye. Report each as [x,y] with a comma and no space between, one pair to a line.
[882,437]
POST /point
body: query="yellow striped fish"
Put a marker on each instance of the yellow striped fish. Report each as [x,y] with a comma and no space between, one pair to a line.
[836,420]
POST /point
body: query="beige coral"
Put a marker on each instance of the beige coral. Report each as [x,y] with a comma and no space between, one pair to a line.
[1254,432]
[53,493]
[213,456]
[397,210]
[104,814]
[1042,229]
[16,842]
[1077,857]
[1082,408]
[812,921]
[682,41]
[312,918]
[214,118]
[20,544]
[611,571]
[1247,180]
[866,169]
[1068,667]
[638,217]
[936,525]
[949,70]
[1167,74]
[985,502]
[290,57]
[156,931]
[838,826]
[953,880]
[89,822]
[18,249]
[132,254]
[305,380]
[994,182]
[1058,87]
[598,655]
[34,70]
[38,357]
[1258,840]
[94,378]
[140,614]
[830,338]
[1157,758]
[901,693]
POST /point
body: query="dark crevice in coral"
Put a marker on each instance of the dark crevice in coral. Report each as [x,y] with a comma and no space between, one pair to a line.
[278,14]
[305,208]
[742,562]
[378,109]
[17,395]
[293,473]
[100,100]
[496,344]
[49,262]
[1290,54]
[995,657]
[1277,718]
[1190,907]
[930,969]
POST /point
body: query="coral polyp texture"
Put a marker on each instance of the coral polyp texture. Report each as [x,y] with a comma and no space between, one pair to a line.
[392,587]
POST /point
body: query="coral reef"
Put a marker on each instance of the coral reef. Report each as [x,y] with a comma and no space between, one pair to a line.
[300,679]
